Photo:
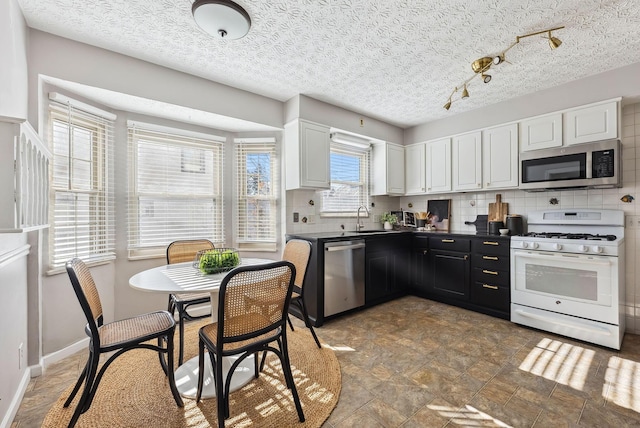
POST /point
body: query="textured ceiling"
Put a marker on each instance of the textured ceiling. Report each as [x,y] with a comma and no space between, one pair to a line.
[395,60]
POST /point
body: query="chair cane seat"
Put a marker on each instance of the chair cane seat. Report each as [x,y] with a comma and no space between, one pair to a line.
[118,333]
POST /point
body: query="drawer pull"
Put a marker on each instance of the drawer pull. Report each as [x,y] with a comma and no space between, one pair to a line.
[489,272]
[493,287]
[449,240]
[425,252]
[489,258]
[491,243]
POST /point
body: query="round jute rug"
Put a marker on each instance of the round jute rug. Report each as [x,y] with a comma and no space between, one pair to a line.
[134,392]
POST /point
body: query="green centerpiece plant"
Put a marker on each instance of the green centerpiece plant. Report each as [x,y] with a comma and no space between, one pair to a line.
[218,260]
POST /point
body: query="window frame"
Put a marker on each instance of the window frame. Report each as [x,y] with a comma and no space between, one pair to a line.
[172,139]
[242,147]
[98,244]
[364,153]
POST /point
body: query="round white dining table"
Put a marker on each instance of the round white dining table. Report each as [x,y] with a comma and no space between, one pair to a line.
[185,278]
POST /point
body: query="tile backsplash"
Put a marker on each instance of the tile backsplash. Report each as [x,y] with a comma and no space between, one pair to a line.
[466,206]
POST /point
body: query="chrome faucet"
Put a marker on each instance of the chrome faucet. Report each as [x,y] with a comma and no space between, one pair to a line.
[358,225]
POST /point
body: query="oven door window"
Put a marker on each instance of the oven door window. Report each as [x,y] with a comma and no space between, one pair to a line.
[568,167]
[565,277]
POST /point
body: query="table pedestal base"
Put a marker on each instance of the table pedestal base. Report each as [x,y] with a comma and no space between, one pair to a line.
[187,376]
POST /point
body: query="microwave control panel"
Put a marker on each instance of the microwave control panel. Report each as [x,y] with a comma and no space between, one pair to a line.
[602,163]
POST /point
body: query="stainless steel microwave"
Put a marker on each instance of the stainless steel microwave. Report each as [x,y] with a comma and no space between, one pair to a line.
[589,165]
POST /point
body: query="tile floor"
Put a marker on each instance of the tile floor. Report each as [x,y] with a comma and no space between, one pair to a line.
[418,363]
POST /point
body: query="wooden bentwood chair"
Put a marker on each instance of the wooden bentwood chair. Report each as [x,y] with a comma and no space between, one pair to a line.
[252,311]
[178,252]
[298,252]
[119,336]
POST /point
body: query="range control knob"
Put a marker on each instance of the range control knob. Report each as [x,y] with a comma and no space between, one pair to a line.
[523,244]
[597,249]
[534,245]
[583,248]
[557,247]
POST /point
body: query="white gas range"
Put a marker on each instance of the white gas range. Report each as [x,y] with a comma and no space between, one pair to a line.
[567,274]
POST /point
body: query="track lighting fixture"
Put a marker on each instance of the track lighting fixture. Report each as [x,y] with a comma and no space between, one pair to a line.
[554,42]
[481,65]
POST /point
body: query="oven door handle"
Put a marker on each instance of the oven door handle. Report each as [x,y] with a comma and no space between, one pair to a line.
[587,260]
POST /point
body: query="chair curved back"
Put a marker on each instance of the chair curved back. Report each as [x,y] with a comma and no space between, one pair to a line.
[253,300]
[298,252]
[87,293]
[185,250]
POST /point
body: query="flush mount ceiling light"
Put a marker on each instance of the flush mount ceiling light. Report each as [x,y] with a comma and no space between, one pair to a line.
[481,65]
[221,18]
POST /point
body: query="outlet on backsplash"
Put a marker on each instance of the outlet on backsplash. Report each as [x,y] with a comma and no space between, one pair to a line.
[632,221]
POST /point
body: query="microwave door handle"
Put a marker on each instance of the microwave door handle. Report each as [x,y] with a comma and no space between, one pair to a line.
[574,258]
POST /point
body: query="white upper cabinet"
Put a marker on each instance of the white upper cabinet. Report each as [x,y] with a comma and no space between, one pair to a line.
[541,132]
[467,161]
[589,123]
[307,147]
[438,172]
[387,169]
[415,169]
[500,164]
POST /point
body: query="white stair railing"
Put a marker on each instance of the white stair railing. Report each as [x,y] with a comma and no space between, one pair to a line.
[24,178]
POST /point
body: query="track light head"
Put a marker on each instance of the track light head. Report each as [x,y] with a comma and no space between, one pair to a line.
[447,106]
[486,78]
[554,42]
[465,93]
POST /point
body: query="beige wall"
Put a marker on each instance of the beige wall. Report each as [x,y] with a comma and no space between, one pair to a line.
[13,52]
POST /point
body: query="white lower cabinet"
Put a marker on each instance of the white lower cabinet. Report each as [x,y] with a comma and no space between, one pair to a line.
[415,169]
[387,169]
[500,166]
[438,171]
[467,161]
[594,122]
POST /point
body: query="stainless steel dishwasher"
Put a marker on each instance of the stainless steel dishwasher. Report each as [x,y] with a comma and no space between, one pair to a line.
[343,276]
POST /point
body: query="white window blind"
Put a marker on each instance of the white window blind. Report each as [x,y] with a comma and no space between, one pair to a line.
[257,183]
[81,177]
[175,189]
[349,180]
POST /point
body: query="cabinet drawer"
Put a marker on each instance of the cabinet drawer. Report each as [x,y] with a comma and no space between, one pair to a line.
[450,244]
[491,245]
[489,276]
[491,296]
[491,261]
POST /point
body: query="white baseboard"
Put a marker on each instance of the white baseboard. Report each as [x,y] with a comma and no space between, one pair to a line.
[60,355]
[17,399]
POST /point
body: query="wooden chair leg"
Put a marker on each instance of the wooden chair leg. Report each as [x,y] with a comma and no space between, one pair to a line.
[170,373]
[181,326]
[78,383]
[290,323]
[307,322]
[200,369]
[286,367]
